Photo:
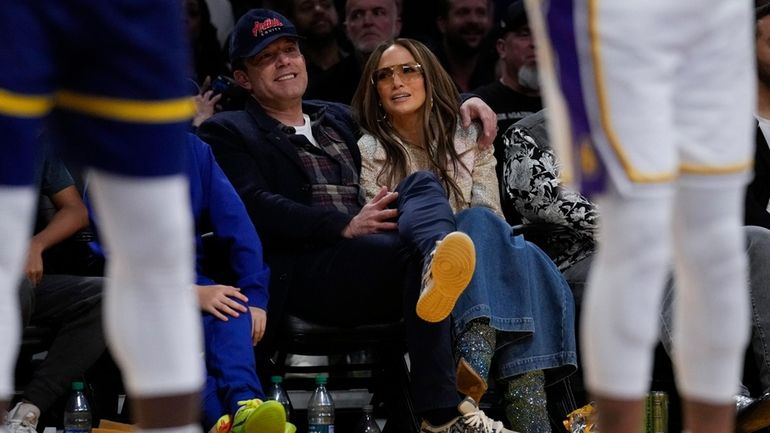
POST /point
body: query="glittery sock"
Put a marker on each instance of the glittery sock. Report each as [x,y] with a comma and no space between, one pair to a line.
[476,343]
[525,403]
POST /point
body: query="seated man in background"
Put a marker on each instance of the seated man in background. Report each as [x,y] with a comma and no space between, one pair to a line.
[69,305]
[319,23]
[234,318]
[368,23]
[517,93]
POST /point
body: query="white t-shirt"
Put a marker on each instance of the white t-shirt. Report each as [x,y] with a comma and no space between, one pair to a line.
[307,131]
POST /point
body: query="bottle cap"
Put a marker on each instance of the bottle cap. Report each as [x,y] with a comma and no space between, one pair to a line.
[276,379]
[77,386]
[320,379]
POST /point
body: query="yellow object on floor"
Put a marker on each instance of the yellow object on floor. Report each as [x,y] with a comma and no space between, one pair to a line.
[582,420]
[107,426]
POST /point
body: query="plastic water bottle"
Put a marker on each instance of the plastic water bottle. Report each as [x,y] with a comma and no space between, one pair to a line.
[320,409]
[280,395]
[77,413]
[368,424]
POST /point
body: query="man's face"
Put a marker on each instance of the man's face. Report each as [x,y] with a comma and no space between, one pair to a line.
[277,76]
[368,23]
[763,50]
[517,50]
[315,18]
[466,24]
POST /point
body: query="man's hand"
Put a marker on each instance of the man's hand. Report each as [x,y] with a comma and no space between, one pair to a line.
[476,109]
[258,323]
[374,217]
[220,300]
[33,269]
[71,215]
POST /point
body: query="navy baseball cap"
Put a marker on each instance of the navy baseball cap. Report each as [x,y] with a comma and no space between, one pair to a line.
[257,29]
[515,17]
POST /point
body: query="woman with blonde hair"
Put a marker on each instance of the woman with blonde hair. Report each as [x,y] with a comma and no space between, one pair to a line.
[517,310]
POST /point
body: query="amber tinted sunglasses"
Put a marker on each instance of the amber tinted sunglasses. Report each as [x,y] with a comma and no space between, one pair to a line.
[406,72]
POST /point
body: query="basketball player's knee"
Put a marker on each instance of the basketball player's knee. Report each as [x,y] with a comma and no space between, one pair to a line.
[161,245]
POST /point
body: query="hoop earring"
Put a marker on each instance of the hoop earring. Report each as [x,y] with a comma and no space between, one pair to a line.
[383,116]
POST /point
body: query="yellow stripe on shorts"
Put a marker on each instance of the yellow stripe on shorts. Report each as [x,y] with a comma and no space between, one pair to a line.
[706,170]
[18,105]
[166,111]
[604,109]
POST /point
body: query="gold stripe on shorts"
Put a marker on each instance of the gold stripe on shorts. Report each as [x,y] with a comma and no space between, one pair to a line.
[126,110]
[706,170]
[18,105]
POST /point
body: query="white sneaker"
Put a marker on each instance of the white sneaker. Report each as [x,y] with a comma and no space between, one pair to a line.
[22,418]
[472,420]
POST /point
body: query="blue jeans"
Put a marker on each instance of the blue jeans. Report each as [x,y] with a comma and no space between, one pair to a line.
[524,296]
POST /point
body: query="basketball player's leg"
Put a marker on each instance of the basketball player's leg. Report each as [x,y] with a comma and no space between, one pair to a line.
[620,311]
[25,99]
[132,116]
[716,84]
[151,318]
[629,93]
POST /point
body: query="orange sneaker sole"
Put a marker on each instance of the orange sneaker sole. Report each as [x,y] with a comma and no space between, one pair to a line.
[452,269]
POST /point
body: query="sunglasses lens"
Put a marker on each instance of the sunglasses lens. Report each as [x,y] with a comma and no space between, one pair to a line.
[382,74]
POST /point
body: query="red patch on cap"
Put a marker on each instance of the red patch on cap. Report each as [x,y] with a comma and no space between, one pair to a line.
[263,26]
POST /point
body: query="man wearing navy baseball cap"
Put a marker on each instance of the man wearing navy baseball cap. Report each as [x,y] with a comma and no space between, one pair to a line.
[267,62]
[335,259]
[257,29]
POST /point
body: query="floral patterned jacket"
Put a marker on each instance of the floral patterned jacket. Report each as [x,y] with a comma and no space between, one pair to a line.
[567,220]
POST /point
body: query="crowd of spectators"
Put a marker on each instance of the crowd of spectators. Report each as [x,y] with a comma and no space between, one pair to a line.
[295,158]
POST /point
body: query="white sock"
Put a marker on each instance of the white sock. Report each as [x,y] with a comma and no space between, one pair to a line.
[152,319]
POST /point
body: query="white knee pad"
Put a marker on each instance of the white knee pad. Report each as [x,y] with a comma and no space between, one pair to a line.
[620,314]
[711,320]
[152,319]
[16,207]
